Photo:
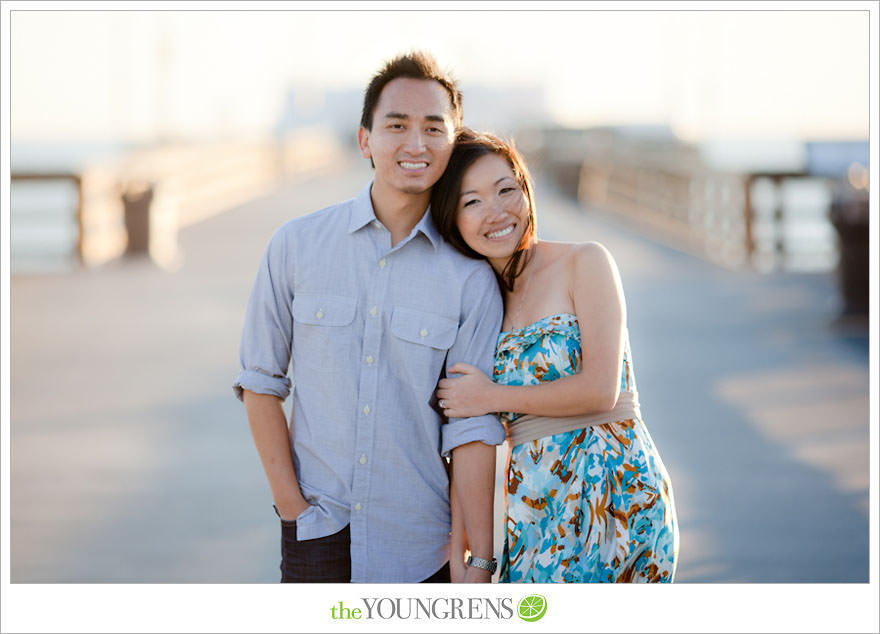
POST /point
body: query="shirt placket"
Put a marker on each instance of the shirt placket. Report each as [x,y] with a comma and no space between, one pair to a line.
[368,385]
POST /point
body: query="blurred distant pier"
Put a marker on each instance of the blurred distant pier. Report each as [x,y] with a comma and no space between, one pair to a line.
[136,200]
[766,206]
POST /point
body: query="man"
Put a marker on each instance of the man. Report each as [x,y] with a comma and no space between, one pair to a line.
[367,304]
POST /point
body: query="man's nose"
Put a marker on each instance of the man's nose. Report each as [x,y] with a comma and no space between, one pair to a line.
[415,141]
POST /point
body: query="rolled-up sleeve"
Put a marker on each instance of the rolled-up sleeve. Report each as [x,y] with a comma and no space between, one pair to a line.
[482,312]
[265,348]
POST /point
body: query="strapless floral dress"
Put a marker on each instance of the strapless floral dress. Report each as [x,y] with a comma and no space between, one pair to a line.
[590,505]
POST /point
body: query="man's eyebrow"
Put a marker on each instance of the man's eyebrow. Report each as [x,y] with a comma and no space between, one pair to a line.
[401,115]
[474,191]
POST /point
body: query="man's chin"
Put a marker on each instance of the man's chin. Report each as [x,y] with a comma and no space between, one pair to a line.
[414,189]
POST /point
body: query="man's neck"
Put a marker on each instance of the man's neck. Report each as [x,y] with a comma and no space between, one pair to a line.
[398,211]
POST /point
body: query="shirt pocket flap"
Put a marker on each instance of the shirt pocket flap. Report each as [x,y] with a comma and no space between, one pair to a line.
[428,329]
[324,310]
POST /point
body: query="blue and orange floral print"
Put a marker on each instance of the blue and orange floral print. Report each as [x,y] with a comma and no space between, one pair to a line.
[590,505]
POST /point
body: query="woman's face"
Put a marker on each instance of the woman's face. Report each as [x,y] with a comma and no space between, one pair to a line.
[492,209]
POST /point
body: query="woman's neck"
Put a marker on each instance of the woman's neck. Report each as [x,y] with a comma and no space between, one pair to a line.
[498,264]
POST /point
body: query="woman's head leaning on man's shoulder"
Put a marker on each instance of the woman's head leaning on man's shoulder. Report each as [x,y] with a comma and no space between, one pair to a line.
[484,205]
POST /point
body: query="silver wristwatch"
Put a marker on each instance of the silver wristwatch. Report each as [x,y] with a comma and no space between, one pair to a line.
[485,564]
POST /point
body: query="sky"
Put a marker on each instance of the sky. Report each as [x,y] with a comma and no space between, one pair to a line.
[132,75]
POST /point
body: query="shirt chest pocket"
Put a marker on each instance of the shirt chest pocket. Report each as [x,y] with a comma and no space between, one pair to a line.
[422,340]
[322,332]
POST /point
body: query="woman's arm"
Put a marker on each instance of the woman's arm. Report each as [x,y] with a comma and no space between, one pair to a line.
[597,295]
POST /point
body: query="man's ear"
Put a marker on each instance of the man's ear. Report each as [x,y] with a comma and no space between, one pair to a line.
[364,142]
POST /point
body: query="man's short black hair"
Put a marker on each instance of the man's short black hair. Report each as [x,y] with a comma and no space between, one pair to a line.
[413,65]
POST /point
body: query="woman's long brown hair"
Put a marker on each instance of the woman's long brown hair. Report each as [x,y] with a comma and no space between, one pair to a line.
[469,146]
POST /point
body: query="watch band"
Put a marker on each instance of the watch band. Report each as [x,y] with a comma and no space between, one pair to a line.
[486,564]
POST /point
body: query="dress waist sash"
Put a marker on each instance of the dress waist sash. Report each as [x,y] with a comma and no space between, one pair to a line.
[531,427]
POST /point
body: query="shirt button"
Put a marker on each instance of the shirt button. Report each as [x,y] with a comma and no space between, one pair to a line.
[363,459]
[320,314]
[377,224]
[423,332]
[373,311]
[366,409]
[382,263]
[370,360]
[358,507]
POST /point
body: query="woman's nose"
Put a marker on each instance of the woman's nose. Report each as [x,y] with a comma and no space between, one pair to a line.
[497,208]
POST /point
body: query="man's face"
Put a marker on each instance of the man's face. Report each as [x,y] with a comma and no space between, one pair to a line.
[412,135]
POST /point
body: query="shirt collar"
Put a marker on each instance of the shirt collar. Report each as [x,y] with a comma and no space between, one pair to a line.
[426,226]
[362,214]
[362,210]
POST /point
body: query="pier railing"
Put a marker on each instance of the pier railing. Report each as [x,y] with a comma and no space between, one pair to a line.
[667,188]
[49,176]
[138,202]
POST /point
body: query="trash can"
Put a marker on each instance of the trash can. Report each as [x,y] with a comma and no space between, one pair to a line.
[849,216]
[136,202]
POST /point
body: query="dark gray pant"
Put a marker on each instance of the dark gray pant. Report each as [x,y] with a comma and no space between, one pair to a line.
[324,559]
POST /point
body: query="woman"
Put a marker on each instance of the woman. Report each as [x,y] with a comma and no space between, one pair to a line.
[587,496]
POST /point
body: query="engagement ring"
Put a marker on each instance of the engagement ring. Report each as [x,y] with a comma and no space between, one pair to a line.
[442,404]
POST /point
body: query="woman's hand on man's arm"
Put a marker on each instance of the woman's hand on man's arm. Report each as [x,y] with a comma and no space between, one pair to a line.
[471,394]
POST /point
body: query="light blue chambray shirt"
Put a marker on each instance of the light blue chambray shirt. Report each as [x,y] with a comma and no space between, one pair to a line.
[367,330]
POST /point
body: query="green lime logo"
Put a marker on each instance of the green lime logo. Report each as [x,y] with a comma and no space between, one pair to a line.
[532,607]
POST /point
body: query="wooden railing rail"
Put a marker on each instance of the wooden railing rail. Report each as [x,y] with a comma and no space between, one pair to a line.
[72,177]
[162,189]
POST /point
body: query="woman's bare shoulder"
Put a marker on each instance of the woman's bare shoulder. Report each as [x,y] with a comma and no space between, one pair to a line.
[583,256]
[575,251]
[592,268]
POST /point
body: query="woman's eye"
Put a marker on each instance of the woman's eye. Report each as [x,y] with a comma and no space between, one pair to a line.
[507,190]
[470,202]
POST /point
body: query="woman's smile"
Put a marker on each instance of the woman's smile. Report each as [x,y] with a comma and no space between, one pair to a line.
[501,233]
